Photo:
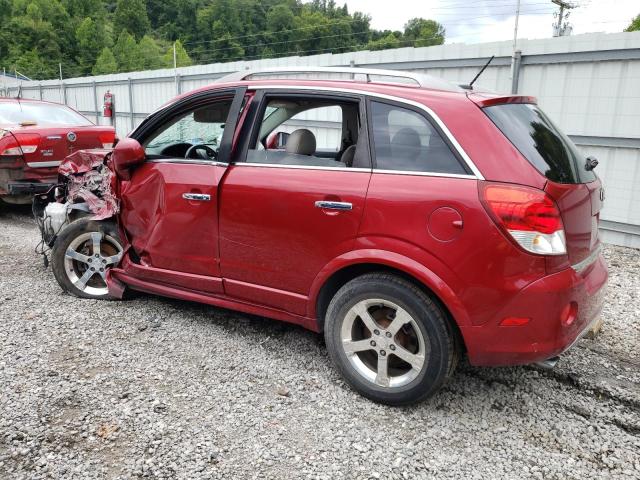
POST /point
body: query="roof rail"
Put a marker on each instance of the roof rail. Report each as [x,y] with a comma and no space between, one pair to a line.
[421,80]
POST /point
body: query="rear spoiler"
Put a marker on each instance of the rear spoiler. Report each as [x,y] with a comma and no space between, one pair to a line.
[489,101]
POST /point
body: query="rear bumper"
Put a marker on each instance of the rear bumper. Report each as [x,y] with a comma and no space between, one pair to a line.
[544,336]
[29,188]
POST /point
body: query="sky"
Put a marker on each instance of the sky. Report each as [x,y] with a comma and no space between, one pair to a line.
[474,21]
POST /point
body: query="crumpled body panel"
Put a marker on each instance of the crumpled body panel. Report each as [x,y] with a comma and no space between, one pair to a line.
[90,179]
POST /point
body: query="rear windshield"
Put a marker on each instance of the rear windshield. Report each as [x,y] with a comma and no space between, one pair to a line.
[541,142]
[43,114]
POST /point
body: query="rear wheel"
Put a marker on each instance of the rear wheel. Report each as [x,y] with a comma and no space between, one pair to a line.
[82,254]
[389,340]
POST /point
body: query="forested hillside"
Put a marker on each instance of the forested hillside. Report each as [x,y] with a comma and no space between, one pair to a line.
[107,36]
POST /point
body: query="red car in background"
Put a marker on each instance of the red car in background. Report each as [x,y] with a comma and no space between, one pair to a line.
[35,136]
[409,223]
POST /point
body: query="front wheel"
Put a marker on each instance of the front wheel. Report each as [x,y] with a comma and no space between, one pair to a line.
[82,254]
[390,341]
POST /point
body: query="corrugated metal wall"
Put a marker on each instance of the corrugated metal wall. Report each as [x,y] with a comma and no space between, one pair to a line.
[589,84]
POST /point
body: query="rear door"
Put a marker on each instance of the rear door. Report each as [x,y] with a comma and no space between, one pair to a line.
[169,208]
[577,191]
[285,215]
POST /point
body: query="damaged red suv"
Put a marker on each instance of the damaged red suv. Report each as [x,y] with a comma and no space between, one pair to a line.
[35,136]
[410,223]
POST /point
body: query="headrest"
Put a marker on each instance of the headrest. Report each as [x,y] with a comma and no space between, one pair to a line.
[301,142]
[406,137]
[348,155]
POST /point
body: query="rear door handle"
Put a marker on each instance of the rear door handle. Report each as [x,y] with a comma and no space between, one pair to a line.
[328,205]
[200,197]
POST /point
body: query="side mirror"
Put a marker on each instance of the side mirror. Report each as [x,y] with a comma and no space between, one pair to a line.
[127,154]
[277,141]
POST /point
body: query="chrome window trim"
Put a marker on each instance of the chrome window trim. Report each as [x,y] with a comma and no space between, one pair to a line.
[424,174]
[347,169]
[301,167]
[192,161]
[431,113]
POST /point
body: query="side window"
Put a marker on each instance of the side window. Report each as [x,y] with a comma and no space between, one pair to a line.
[308,131]
[405,140]
[324,122]
[195,134]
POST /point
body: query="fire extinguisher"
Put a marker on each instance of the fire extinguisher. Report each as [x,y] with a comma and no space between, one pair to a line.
[108,105]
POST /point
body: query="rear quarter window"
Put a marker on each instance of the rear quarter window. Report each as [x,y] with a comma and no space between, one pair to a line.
[543,144]
[405,140]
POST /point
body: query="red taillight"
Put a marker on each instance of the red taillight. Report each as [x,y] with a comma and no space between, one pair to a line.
[17,144]
[107,139]
[529,215]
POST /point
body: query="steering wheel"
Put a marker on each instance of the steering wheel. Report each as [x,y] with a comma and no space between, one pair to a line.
[210,152]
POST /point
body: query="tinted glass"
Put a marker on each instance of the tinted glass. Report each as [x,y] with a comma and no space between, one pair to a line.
[44,114]
[405,140]
[549,150]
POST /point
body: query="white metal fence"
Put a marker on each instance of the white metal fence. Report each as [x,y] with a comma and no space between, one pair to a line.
[589,84]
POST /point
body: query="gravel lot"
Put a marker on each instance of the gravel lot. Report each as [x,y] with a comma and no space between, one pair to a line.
[160,388]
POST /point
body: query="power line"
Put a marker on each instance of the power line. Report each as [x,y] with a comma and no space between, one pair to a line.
[282,32]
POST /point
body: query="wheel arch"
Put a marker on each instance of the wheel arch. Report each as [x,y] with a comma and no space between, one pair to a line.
[342,270]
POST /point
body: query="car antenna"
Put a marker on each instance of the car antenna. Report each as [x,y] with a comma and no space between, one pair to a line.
[470,86]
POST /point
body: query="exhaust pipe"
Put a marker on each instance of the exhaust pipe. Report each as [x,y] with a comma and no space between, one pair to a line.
[548,364]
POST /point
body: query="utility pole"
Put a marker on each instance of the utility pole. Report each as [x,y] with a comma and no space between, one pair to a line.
[560,30]
[175,67]
[516,54]
[515,28]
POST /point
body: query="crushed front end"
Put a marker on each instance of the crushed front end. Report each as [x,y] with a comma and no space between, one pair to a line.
[86,188]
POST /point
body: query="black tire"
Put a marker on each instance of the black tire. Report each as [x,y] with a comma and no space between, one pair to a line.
[66,270]
[427,319]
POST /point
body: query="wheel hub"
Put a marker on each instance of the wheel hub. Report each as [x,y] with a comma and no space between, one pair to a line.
[383,343]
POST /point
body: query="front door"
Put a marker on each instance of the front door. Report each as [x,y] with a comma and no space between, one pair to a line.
[286,212]
[169,208]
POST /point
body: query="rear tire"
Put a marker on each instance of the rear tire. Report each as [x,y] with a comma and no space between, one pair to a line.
[82,254]
[389,340]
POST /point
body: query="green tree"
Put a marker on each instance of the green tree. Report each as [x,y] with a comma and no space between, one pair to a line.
[384,43]
[126,53]
[150,53]
[424,33]
[634,26]
[182,57]
[92,37]
[31,64]
[131,15]
[106,63]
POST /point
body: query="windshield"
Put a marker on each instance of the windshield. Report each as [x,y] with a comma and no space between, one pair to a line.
[15,113]
[544,145]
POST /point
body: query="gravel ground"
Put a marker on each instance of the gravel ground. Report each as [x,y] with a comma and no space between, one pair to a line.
[160,388]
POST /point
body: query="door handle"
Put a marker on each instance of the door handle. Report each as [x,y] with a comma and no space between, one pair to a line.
[201,197]
[328,205]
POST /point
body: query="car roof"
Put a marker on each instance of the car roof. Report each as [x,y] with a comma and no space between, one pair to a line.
[403,91]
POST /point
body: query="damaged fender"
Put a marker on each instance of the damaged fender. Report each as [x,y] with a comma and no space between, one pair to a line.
[90,180]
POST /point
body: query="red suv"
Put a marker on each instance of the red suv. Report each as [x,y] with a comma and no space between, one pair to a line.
[409,223]
[35,136]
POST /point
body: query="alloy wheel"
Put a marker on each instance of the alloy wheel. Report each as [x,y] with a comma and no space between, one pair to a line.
[383,343]
[87,259]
